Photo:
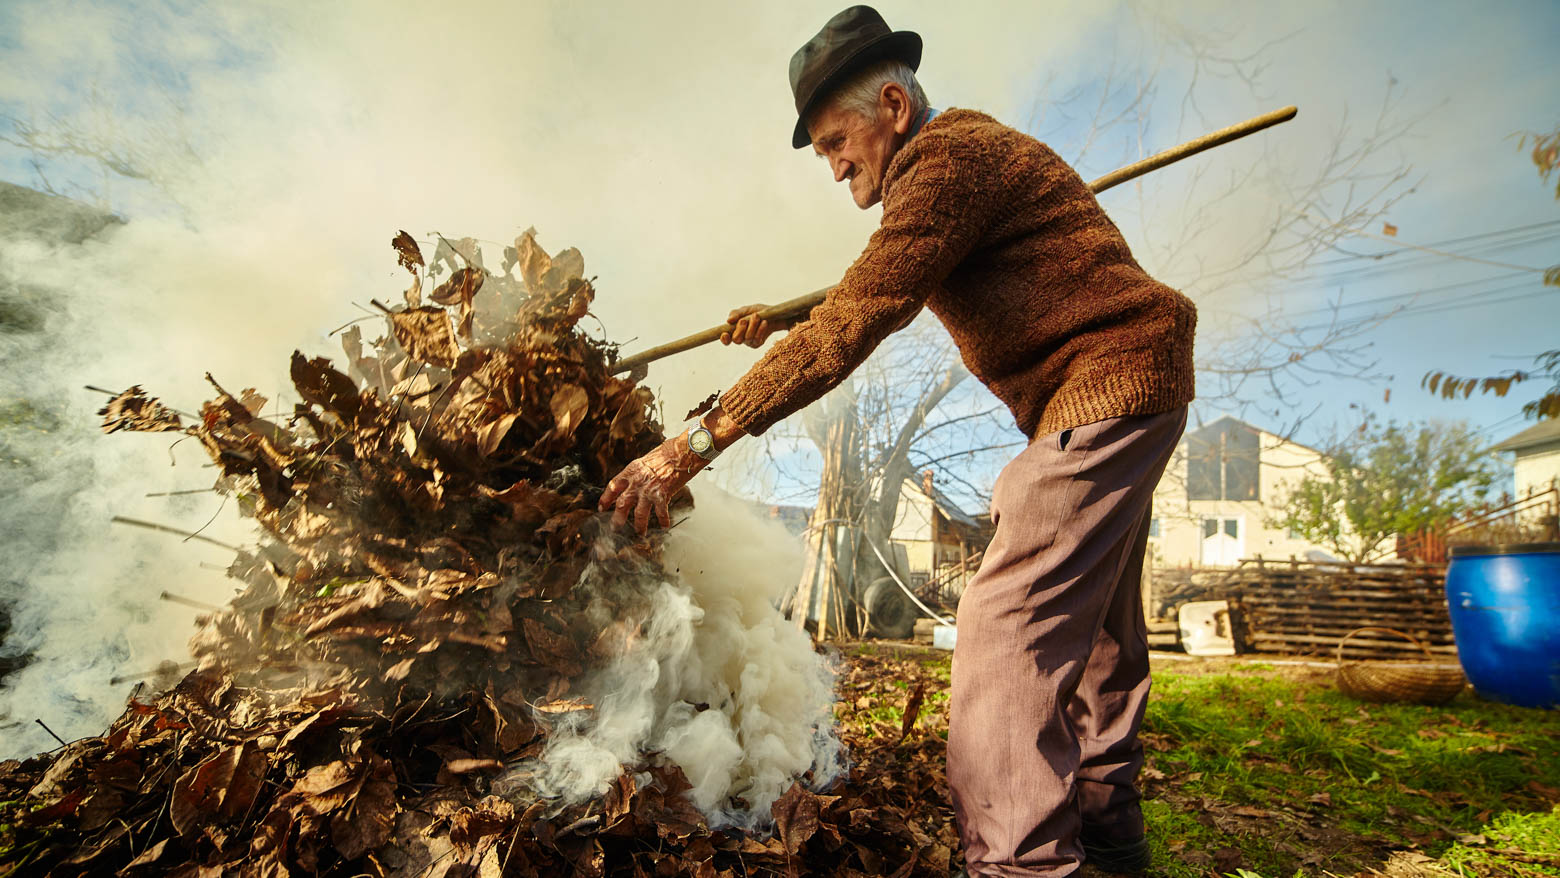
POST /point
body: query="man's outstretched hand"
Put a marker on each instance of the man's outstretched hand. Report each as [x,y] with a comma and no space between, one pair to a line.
[744,326]
[645,488]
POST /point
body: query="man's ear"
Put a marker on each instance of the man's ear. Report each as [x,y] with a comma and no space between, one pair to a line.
[894,99]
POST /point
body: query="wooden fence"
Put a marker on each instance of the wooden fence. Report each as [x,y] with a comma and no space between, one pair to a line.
[1306,608]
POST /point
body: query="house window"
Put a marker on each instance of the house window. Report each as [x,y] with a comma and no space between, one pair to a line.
[1230,527]
[1223,541]
[1153,528]
[1222,462]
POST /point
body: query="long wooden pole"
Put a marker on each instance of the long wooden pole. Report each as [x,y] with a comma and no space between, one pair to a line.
[793,308]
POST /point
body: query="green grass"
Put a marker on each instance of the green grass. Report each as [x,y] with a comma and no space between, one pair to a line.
[1512,844]
[1256,770]
[1296,778]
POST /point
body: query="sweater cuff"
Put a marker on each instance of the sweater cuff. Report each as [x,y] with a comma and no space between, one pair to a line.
[746,406]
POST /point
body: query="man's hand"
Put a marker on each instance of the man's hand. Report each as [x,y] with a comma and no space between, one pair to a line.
[648,484]
[746,327]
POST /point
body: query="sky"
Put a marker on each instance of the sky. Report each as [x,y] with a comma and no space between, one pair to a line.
[290,141]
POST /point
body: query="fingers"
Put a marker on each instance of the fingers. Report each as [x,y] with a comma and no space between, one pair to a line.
[640,494]
[750,330]
[663,510]
[757,334]
[745,326]
[624,503]
[642,511]
[614,488]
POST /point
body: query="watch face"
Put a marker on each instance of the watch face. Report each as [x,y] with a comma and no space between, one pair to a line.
[700,441]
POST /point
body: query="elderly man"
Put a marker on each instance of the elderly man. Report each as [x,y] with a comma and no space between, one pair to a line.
[1005,243]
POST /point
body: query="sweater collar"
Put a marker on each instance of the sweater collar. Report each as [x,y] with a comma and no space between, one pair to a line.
[926,116]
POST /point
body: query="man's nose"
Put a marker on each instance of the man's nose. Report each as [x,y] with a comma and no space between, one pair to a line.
[841,170]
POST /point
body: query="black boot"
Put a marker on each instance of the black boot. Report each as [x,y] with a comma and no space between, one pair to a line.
[1123,856]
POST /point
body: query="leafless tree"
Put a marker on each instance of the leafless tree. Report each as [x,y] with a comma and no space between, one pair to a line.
[99,151]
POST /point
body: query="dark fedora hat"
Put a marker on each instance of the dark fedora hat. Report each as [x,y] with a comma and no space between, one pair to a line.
[850,41]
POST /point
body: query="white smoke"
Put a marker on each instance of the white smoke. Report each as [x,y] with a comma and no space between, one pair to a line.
[718,683]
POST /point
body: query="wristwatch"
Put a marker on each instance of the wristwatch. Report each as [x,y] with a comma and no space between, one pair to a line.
[702,442]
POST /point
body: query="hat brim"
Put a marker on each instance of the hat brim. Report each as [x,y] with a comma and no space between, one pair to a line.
[901,45]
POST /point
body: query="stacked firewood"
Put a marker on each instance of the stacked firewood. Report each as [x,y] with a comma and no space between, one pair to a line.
[1310,607]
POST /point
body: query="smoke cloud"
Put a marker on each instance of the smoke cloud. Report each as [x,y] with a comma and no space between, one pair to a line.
[719,684]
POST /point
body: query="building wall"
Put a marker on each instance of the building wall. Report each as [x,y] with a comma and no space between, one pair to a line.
[913,530]
[1536,469]
[1181,521]
[913,522]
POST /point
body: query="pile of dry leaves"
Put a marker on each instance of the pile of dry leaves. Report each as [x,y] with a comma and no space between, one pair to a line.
[412,625]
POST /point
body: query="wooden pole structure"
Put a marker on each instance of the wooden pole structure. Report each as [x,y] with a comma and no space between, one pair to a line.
[801,305]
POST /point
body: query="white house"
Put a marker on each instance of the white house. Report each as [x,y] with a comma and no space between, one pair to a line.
[1224,485]
[937,536]
[1537,451]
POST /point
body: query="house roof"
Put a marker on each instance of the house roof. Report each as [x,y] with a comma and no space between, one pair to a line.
[1541,433]
[1217,425]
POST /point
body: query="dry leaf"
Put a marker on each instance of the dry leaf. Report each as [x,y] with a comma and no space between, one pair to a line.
[569,404]
[134,410]
[426,336]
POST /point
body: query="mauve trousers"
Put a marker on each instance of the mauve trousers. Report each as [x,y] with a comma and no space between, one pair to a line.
[1050,672]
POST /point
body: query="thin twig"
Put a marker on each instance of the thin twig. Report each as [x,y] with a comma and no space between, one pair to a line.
[352,322]
[220,506]
[172,598]
[150,525]
[50,731]
[146,675]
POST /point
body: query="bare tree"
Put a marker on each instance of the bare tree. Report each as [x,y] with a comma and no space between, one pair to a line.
[100,151]
[1238,238]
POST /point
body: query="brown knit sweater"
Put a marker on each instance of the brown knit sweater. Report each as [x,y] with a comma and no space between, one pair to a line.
[1006,244]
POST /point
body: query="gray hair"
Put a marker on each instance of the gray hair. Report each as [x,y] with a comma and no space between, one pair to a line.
[859,94]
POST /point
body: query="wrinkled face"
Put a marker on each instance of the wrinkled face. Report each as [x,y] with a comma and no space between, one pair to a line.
[858,149]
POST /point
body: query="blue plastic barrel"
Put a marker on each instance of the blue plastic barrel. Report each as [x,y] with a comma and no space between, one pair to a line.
[1505,606]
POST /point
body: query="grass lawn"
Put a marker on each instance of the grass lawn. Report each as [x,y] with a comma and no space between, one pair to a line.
[1262,769]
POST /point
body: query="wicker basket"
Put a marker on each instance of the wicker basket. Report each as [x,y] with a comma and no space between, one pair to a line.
[1427,682]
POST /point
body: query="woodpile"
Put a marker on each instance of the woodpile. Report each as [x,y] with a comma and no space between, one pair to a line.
[1308,607]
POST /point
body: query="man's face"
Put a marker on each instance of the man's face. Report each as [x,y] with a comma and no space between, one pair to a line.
[858,149]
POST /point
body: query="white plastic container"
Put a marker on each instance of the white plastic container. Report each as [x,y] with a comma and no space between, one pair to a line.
[943,636]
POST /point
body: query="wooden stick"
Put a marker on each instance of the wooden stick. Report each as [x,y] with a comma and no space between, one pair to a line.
[147,675]
[794,308]
[172,598]
[189,535]
[787,310]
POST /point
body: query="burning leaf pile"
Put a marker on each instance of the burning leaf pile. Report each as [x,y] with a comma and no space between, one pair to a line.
[443,660]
